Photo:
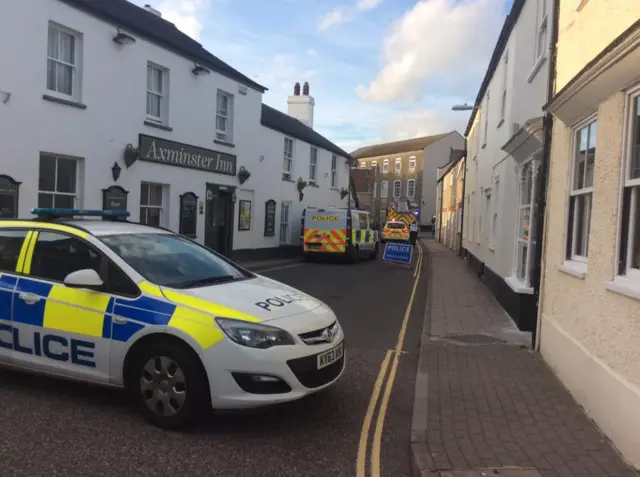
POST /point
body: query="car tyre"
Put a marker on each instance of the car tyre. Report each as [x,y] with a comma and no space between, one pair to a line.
[168,384]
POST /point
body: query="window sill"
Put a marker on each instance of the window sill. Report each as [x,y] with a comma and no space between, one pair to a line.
[624,286]
[536,67]
[574,268]
[312,184]
[66,102]
[517,286]
[224,143]
[157,125]
[500,124]
[286,179]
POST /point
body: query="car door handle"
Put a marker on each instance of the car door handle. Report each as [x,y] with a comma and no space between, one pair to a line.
[118,320]
[29,298]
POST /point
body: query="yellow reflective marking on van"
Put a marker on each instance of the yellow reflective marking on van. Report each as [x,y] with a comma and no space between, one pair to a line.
[24,252]
[26,269]
[75,311]
[197,325]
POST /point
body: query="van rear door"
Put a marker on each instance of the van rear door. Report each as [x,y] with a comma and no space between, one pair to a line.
[325,230]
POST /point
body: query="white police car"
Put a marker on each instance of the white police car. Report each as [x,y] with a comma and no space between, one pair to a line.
[177,325]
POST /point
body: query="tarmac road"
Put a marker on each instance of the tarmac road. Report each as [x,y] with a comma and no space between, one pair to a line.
[57,428]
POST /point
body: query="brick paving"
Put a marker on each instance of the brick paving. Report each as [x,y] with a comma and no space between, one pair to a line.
[493,405]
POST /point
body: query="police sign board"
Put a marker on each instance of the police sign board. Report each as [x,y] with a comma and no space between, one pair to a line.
[398,253]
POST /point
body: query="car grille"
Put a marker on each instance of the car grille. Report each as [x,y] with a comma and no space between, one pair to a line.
[307,372]
[316,336]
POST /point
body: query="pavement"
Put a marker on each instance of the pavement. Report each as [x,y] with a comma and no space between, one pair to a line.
[58,428]
[485,404]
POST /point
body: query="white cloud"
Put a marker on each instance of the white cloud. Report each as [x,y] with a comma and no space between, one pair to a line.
[280,72]
[364,5]
[347,13]
[312,53]
[435,40]
[424,122]
[334,17]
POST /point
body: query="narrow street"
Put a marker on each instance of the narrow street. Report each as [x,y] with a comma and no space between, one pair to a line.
[52,427]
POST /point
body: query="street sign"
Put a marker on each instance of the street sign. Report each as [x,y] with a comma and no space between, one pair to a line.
[398,253]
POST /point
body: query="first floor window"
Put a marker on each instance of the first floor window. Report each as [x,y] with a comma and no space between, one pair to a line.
[287,166]
[487,212]
[629,260]
[397,189]
[494,218]
[313,165]
[224,116]
[385,166]
[334,170]
[151,204]
[581,192]
[285,229]
[156,92]
[411,188]
[62,59]
[384,189]
[58,182]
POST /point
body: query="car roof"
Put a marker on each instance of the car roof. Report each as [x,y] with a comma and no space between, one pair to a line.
[98,227]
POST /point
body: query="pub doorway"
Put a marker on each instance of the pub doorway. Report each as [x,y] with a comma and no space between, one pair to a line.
[218,233]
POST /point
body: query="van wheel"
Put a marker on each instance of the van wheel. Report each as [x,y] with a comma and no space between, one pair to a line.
[168,384]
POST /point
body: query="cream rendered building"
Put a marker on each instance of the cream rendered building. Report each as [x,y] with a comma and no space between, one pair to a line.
[589,321]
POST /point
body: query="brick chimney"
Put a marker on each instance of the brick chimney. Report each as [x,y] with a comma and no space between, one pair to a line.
[300,106]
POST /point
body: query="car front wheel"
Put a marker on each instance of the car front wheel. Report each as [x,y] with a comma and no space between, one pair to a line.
[168,384]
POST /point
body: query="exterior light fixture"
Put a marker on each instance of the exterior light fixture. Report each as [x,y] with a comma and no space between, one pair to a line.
[123,38]
[462,107]
[199,69]
[115,171]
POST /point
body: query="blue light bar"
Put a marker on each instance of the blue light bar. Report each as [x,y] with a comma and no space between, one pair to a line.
[56,212]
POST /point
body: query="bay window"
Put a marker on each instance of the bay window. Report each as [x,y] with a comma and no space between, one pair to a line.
[525,235]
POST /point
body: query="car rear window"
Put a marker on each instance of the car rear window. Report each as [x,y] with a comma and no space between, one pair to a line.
[396,225]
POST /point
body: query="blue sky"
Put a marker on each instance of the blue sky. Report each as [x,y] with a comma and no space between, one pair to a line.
[379,70]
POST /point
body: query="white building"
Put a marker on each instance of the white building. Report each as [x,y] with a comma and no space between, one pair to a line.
[504,148]
[106,104]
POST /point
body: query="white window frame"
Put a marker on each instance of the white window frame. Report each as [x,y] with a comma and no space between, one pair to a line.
[163,94]
[334,171]
[384,190]
[76,66]
[288,146]
[385,166]
[412,163]
[161,207]
[503,97]
[285,226]
[224,135]
[363,164]
[629,276]
[487,212]
[374,164]
[409,194]
[399,183]
[398,166]
[542,17]
[54,192]
[313,165]
[486,119]
[495,215]
[573,196]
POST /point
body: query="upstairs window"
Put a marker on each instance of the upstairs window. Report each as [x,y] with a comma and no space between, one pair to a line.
[157,97]
[287,166]
[63,55]
[412,164]
[313,165]
[224,117]
[334,170]
[385,166]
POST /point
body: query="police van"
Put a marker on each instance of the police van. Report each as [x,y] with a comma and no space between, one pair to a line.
[175,324]
[339,231]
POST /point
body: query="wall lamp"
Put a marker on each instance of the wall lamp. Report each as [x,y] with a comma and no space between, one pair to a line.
[199,69]
[462,107]
[123,38]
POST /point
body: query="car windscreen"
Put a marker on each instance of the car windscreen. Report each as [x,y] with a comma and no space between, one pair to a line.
[172,260]
[395,225]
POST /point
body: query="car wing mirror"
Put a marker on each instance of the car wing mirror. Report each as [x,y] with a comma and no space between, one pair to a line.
[85,278]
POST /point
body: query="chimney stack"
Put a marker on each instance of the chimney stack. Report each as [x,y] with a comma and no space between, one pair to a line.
[301,106]
[150,9]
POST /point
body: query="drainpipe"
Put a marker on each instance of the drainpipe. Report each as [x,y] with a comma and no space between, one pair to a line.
[542,184]
[464,186]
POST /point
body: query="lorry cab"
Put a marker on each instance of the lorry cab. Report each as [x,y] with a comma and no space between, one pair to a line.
[350,233]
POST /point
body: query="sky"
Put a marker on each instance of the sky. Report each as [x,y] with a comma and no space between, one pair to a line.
[379,70]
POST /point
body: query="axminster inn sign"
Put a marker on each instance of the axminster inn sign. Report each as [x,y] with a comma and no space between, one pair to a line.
[155,149]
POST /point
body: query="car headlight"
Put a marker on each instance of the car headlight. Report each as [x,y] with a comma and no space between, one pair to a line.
[254,335]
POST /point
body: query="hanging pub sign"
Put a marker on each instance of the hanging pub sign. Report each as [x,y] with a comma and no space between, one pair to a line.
[188,214]
[114,198]
[270,218]
[8,197]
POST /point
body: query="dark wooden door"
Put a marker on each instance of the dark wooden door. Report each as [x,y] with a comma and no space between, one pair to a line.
[219,220]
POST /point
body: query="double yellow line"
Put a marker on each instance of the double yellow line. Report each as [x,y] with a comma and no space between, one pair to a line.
[377,388]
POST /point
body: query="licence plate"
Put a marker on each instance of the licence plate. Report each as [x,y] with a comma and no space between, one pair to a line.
[331,356]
